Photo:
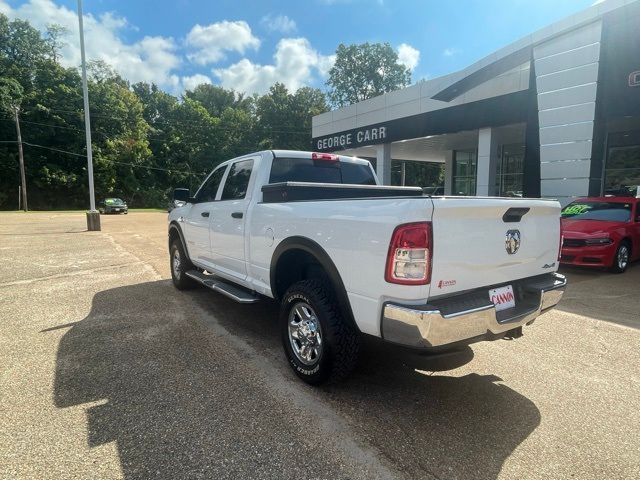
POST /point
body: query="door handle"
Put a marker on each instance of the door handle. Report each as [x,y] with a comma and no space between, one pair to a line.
[205,214]
[237,214]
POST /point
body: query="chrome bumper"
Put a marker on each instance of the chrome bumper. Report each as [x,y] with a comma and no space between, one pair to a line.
[463,320]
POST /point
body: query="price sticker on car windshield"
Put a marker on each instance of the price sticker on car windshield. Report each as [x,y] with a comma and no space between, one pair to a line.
[575,209]
[502,297]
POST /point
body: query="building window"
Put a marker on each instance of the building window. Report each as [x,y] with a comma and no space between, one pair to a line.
[622,172]
[510,171]
[465,164]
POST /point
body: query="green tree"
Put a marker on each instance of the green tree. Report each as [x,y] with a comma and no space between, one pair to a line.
[365,71]
[11,93]
[145,141]
[284,119]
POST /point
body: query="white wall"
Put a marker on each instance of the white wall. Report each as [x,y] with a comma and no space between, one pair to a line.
[566,79]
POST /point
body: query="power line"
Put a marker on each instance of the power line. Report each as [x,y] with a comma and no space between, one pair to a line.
[170,170]
[165,122]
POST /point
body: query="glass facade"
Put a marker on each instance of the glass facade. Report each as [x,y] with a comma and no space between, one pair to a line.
[510,171]
[622,168]
[465,165]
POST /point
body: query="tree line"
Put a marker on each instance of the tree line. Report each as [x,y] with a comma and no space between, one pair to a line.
[145,140]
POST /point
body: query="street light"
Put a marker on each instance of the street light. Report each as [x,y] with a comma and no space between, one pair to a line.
[93,216]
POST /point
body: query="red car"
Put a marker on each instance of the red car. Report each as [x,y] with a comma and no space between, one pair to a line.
[601,232]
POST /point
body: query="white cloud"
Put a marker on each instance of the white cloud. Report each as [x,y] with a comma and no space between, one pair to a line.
[212,41]
[159,59]
[408,56]
[192,81]
[151,59]
[450,52]
[296,64]
[279,23]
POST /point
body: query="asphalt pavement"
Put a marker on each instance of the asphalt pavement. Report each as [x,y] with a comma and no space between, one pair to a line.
[107,371]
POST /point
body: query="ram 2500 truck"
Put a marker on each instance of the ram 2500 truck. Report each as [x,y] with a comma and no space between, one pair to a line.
[347,257]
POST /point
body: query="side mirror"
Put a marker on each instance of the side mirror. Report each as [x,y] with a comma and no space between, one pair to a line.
[181,195]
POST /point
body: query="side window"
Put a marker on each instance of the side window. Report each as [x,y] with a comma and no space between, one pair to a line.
[238,180]
[208,191]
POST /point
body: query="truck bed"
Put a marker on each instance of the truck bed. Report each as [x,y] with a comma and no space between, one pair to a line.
[305,191]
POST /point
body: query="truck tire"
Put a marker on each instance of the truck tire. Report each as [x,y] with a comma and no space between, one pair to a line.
[320,346]
[621,258]
[179,263]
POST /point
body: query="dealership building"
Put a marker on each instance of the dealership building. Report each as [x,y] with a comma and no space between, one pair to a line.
[555,114]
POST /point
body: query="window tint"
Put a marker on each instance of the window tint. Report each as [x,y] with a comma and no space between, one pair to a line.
[238,180]
[320,171]
[207,192]
[605,211]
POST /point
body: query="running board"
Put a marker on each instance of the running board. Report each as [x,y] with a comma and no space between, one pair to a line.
[238,294]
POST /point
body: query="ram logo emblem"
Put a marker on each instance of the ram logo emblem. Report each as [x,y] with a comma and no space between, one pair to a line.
[512,241]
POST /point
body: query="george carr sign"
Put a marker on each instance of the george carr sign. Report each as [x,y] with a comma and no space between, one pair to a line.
[351,138]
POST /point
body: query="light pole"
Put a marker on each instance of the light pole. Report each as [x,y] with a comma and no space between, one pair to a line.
[93,216]
[23,180]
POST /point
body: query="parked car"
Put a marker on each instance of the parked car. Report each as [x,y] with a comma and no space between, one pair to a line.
[347,257]
[601,232]
[113,205]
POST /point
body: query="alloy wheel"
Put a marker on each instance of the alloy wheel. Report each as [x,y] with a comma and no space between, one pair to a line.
[176,263]
[305,334]
[623,257]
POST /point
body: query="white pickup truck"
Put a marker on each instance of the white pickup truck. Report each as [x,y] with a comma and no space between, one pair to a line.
[346,256]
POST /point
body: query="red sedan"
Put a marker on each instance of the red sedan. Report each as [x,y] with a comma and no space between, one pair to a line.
[601,232]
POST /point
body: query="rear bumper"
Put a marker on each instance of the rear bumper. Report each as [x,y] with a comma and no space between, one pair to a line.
[469,317]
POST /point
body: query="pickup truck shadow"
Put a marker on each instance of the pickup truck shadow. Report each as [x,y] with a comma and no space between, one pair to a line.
[143,359]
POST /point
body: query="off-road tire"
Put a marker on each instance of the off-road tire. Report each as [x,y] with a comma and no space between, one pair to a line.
[616,267]
[340,341]
[180,279]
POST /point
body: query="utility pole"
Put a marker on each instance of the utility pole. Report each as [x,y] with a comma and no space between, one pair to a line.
[93,216]
[23,181]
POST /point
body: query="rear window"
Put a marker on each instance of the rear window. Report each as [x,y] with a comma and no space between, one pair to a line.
[605,211]
[320,171]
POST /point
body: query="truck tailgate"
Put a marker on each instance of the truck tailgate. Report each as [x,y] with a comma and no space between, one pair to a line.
[470,241]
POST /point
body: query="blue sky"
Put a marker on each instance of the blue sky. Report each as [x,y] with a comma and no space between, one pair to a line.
[247,45]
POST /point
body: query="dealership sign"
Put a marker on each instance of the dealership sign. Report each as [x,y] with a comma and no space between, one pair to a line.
[352,138]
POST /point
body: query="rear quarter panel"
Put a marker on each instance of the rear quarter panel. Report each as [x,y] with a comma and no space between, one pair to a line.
[354,233]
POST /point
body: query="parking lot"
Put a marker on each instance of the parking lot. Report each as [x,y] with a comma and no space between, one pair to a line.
[107,371]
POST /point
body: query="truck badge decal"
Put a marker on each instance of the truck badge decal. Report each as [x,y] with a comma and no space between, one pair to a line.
[512,241]
[446,283]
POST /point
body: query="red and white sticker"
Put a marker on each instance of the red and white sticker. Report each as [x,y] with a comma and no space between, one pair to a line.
[502,297]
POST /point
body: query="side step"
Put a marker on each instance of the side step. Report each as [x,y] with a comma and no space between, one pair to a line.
[238,294]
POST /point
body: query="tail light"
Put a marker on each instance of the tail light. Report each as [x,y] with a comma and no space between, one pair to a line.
[410,253]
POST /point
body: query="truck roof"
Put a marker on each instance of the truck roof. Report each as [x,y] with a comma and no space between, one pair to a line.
[305,154]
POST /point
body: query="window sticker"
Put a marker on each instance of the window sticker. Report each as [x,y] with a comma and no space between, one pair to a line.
[576,209]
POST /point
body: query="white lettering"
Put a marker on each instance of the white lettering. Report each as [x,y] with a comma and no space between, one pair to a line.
[324,143]
[319,144]
[374,134]
[359,136]
[367,135]
[348,139]
[336,141]
[383,132]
